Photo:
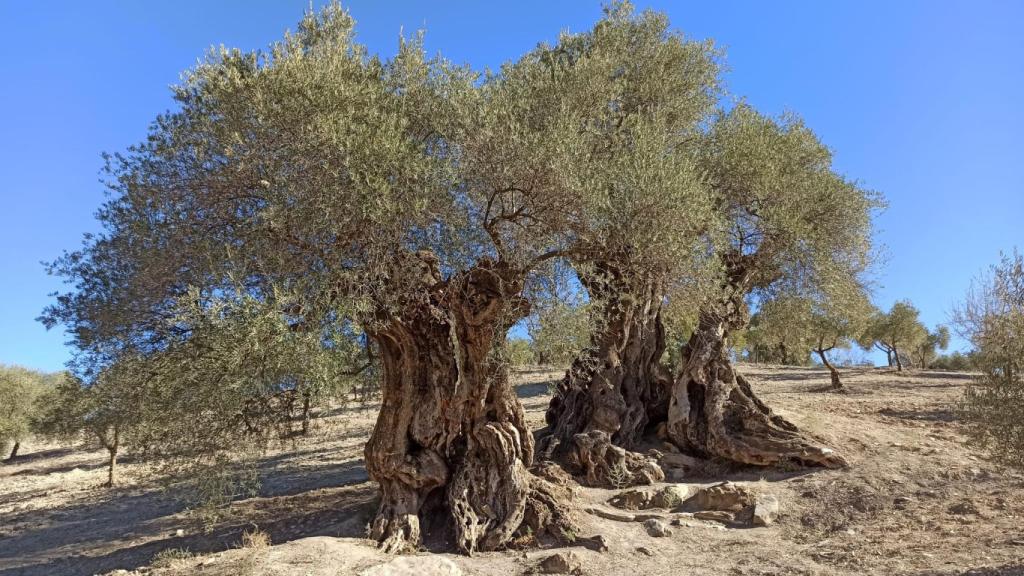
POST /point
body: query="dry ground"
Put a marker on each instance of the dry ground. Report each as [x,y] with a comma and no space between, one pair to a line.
[915,501]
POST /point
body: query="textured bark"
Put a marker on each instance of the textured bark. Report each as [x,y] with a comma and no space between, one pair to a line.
[616,387]
[451,430]
[713,412]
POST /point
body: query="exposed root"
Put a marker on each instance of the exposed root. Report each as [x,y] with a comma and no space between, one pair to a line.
[722,417]
[605,464]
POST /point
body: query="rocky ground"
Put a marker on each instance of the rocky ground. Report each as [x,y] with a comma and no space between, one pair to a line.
[915,501]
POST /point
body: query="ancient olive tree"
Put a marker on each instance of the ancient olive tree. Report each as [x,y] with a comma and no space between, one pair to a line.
[897,332]
[761,207]
[309,188]
[638,93]
[786,222]
[992,319]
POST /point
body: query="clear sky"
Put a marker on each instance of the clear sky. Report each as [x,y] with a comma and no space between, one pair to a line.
[920,100]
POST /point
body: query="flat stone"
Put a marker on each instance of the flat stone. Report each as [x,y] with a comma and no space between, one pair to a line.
[415,566]
[657,528]
[766,510]
[561,563]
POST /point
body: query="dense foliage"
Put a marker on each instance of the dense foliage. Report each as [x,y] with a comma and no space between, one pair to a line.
[992,319]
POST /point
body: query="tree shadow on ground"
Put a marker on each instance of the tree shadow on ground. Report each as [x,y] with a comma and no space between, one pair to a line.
[122,528]
[941,415]
[1014,569]
[535,389]
[42,454]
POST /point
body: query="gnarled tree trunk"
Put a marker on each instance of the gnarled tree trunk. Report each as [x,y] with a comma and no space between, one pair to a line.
[451,431]
[616,387]
[713,412]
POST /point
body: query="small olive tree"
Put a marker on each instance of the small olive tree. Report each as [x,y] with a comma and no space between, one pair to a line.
[102,412]
[927,350]
[992,318]
[897,332]
[20,390]
[779,331]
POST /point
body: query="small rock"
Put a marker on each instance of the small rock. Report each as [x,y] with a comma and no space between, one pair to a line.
[671,496]
[725,496]
[645,551]
[722,516]
[561,563]
[901,502]
[426,565]
[964,508]
[632,499]
[766,509]
[179,532]
[596,543]
[611,514]
[657,528]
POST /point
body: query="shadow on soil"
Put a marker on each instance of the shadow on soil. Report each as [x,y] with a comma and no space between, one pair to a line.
[322,500]
[1015,569]
[920,415]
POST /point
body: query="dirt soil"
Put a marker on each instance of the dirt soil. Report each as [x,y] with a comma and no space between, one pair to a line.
[915,501]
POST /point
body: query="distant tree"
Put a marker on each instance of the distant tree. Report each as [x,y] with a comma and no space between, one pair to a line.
[102,412]
[992,318]
[780,331]
[19,390]
[928,348]
[559,330]
[897,333]
[956,361]
[519,352]
[836,324]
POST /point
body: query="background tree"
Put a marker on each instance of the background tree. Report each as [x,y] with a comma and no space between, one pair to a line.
[519,352]
[20,389]
[836,324]
[992,318]
[103,412]
[928,348]
[780,331]
[559,330]
[896,333]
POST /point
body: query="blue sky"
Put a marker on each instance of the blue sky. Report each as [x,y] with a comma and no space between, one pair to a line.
[920,101]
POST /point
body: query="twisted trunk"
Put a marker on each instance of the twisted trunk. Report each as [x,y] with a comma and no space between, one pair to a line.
[451,432]
[616,387]
[713,412]
[837,384]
